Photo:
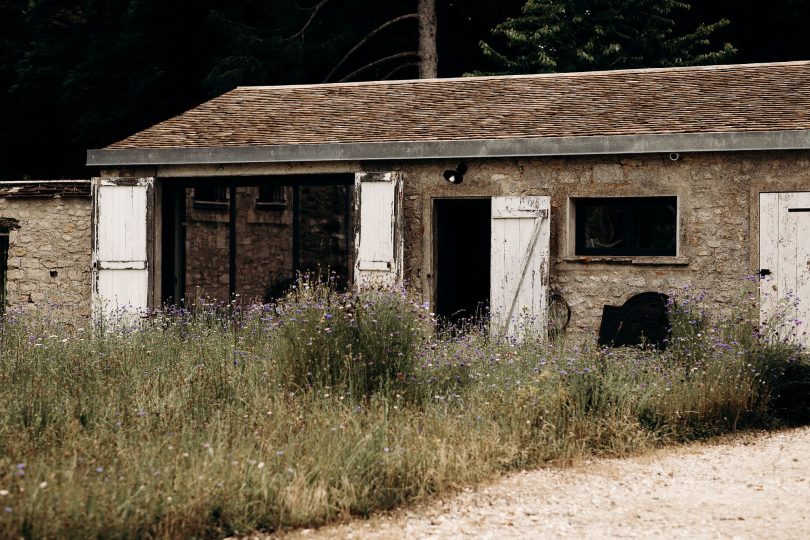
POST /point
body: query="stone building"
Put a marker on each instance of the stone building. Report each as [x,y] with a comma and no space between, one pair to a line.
[481,193]
[45,247]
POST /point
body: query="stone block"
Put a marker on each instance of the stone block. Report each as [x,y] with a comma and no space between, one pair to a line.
[608,174]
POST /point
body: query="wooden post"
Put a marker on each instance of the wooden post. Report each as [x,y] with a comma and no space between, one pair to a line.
[428,58]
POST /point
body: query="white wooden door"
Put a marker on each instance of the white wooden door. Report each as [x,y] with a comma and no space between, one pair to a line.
[120,268]
[784,259]
[520,265]
[378,202]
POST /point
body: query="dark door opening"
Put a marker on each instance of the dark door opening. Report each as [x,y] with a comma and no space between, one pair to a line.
[3,266]
[462,240]
[248,238]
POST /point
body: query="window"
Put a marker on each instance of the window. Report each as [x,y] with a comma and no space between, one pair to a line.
[211,197]
[642,226]
[271,197]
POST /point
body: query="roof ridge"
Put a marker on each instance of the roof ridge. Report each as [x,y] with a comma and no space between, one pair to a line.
[571,74]
[724,98]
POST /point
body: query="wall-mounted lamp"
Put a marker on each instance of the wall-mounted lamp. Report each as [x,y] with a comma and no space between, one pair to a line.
[456,176]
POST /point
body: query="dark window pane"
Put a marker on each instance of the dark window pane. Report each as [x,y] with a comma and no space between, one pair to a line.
[603,226]
[211,193]
[626,226]
[657,227]
[274,194]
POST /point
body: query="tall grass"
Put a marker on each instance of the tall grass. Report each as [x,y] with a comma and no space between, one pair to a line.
[322,405]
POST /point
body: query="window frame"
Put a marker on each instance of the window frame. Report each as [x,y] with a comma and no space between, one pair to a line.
[202,203]
[630,216]
[273,203]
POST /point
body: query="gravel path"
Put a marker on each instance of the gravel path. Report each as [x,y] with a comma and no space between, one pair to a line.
[750,486]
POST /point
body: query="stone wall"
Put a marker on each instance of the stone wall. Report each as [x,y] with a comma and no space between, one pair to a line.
[49,258]
[718,219]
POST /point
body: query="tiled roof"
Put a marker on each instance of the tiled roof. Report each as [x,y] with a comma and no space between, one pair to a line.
[44,189]
[742,98]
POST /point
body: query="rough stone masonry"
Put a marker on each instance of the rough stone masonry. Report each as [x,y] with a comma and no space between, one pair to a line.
[49,254]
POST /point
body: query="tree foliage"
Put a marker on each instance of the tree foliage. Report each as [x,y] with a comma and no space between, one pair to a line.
[78,74]
[583,35]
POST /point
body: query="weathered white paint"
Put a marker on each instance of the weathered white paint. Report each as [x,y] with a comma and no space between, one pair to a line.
[784,249]
[379,236]
[120,266]
[520,263]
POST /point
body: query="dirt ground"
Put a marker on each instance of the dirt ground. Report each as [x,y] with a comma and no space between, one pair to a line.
[747,486]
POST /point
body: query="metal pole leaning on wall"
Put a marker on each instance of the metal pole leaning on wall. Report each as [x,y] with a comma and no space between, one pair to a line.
[296,248]
[232,243]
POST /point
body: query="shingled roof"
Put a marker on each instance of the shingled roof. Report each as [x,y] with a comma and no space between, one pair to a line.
[697,100]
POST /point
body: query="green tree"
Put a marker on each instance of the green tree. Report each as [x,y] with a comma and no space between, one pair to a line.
[584,35]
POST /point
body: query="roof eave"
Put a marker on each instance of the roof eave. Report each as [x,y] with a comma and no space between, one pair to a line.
[469,149]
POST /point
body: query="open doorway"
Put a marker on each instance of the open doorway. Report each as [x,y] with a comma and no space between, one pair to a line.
[250,237]
[462,255]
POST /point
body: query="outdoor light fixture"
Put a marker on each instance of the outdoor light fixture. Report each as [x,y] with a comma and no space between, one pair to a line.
[456,176]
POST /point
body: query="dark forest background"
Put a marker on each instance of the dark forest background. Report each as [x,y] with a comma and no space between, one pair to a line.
[79,74]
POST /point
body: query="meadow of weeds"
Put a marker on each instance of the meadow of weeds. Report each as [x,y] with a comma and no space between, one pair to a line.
[325,404]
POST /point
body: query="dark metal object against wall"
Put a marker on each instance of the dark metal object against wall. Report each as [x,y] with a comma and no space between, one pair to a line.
[642,320]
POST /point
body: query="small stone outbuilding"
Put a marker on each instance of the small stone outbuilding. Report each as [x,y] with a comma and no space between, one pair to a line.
[45,248]
[489,193]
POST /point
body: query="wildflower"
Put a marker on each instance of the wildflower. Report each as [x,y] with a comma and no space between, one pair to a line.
[206,446]
[43,485]
[3,492]
[280,453]
[99,469]
[260,465]
[8,510]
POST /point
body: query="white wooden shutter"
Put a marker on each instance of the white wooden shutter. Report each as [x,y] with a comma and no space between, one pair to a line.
[768,253]
[520,265]
[379,235]
[784,251]
[120,268]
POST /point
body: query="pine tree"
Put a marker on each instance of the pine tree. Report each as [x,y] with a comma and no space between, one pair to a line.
[584,35]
